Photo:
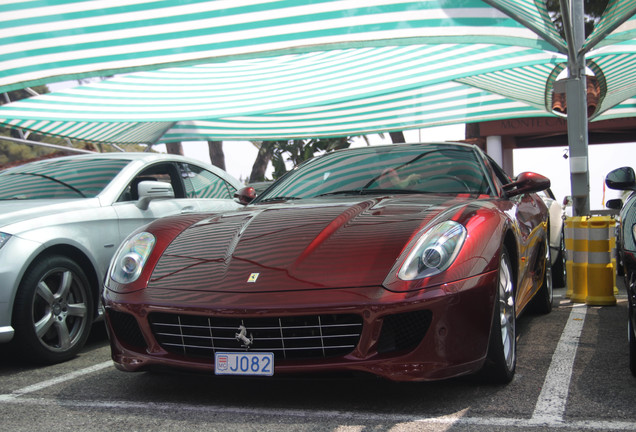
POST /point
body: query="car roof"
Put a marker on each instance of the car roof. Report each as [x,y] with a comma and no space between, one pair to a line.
[120,156]
[144,157]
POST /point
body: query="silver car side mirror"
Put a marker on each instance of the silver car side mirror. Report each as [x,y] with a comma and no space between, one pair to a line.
[152,190]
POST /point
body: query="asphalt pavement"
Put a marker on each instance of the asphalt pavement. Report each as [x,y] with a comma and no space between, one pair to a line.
[572,374]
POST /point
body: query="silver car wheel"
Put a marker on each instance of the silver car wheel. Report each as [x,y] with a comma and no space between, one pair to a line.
[53,311]
[501,360]
[59,310]
[507,314]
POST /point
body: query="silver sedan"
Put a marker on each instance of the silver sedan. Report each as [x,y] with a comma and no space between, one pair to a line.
[61,221]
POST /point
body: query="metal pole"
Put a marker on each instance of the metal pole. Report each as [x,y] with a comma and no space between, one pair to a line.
[41,144]
[576,96]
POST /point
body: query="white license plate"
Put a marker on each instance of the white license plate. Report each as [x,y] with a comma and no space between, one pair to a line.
[244,363]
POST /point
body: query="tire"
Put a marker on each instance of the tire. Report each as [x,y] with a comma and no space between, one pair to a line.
[559,277]
[632,341]
[53,311]
[542,301]
[501,360]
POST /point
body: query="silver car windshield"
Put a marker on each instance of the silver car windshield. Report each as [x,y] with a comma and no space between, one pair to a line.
[59,179]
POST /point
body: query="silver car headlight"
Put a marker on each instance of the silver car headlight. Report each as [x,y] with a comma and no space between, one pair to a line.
[434,252]
[3,238]
[130,258]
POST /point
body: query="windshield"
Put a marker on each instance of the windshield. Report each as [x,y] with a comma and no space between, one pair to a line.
[437,168]
[59,179]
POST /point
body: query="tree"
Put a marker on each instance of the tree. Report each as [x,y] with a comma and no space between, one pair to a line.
[217,157]
[593,11]
[263,158]
[397,137]
[174,148]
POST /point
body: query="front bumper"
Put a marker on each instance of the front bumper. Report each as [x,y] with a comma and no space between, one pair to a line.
[14,258]
[393,342]
[6,334]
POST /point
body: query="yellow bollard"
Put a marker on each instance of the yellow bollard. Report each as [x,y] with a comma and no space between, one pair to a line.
[612,235]
[600,271]
[577,251]
[568,233]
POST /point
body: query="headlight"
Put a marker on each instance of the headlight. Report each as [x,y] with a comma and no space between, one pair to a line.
[3,238]
[131,257]
[434,252]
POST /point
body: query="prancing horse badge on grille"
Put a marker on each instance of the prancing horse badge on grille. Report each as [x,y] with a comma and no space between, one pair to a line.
[253,277]
[241,337]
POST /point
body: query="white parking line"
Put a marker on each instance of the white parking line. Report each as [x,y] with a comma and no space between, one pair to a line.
[365,418]
[550,406]
[53,381]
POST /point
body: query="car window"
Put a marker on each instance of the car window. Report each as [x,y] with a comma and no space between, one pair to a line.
[58,179]
[546,195]
[200,183]
[162,172]
[501,175]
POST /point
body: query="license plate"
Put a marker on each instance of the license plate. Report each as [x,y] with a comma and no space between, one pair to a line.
[244,363]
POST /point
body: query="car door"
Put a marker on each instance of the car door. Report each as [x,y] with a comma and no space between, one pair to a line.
[527,212]
[131,216]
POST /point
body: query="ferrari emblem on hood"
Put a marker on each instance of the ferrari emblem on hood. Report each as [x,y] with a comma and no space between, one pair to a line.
[253,277]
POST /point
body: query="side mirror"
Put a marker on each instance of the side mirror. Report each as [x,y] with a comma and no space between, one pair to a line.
[245,195]
[621,179]
[614,204]
[152,190]
[527,182]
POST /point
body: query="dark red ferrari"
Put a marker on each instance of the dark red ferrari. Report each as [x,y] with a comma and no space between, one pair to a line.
[411,262]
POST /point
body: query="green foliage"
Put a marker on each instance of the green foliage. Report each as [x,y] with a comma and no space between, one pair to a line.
[593,11]
[298,151]
[11,151]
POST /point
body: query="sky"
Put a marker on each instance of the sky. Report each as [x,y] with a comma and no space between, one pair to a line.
[548,161]
[602,158]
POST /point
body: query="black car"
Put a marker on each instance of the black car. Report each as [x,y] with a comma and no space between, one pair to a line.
[625,179]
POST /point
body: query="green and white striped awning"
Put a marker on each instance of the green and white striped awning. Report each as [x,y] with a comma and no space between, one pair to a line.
[248,69]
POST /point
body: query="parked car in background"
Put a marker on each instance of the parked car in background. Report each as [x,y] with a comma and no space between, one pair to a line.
[625,179]
[557,236]
[61,221]
[411,262]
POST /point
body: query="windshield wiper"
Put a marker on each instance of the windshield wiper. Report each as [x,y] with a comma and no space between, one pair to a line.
[342,192]
[66,185]
[371,192]
[389,191]
[279,198]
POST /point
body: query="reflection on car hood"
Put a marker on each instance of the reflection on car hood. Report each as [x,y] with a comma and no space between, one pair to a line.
[304,244]
[14,211]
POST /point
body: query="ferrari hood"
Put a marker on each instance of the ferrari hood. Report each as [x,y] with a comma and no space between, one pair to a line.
[308,244]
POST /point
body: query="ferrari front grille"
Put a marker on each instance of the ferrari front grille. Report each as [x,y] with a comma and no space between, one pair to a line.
[289,337]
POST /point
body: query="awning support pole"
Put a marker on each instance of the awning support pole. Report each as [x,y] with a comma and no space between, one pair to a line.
[576,96]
